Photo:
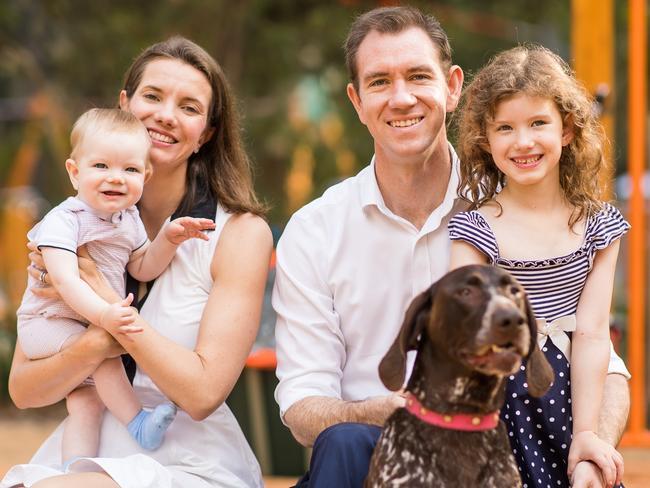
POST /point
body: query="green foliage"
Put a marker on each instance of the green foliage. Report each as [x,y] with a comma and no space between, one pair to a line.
[79,50]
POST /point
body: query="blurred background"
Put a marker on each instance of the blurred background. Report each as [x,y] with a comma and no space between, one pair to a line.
[285,63]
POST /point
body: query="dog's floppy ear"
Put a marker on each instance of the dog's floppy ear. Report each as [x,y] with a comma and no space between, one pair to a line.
[392,368]
[539,373]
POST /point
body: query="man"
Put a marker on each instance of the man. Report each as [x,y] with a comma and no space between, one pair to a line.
[350,262]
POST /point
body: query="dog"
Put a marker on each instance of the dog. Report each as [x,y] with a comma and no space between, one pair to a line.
[471,329]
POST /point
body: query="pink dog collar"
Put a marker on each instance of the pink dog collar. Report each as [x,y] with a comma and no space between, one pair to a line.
[458,421]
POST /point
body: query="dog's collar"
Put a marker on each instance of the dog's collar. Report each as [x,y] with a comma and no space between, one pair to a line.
[458,421]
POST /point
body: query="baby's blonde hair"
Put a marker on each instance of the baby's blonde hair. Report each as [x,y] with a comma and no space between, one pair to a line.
[534,71]
[106,120]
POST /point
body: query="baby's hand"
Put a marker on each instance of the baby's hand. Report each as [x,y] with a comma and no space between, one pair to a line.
[119,317]
[183,228]
[586,445]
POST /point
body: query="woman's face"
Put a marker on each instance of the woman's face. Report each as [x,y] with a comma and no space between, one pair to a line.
[172,101]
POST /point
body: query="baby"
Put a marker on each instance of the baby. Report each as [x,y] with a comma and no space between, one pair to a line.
[108,167]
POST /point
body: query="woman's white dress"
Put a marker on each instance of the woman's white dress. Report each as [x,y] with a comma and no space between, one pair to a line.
[210,453]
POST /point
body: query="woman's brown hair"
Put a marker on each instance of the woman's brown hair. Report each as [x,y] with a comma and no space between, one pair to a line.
[222,161]
[534,71]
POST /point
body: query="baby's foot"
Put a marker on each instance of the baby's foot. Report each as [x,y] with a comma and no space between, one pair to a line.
[148,428]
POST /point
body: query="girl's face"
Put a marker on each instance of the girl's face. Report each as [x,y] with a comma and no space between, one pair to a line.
[109,170]
[172,101]
[526,138]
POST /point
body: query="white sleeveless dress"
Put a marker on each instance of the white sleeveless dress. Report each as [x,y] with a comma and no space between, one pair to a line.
[207,454]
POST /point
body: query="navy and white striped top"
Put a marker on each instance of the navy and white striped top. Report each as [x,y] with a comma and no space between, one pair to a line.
[553,285]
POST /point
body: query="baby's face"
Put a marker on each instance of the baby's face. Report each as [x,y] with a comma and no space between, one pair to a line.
[109,171]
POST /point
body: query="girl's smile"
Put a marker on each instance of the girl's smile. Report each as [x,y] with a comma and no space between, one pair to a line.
[526,138]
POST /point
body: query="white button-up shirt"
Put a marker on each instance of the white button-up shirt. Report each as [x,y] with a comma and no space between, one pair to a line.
[347,269]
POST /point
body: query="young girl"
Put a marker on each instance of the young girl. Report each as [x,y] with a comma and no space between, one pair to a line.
[531,150]
[108,167]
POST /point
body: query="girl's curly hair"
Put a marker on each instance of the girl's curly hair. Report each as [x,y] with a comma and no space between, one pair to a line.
[535,71]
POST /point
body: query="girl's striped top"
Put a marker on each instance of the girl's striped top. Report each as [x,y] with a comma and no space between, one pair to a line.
[553,285]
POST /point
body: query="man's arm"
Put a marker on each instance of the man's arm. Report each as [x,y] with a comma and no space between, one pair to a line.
[611,425]
[310,416]
[310,345]
[614,409]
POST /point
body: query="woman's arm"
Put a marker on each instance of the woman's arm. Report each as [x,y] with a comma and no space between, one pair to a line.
[199,380]
[589,359]
[41,382]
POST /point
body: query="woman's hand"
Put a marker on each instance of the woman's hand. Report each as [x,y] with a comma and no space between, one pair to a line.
[87,270]
[36,270]
[101,344]
[94,277]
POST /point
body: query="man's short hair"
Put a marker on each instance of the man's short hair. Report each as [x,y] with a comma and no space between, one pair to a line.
[393,20]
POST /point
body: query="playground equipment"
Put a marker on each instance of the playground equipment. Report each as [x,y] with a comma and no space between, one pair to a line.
[637,433]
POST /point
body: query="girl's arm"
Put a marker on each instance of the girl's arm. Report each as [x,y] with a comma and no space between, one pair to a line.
[41,382]
[64,276]
[199,380]
[463,254]
[149,263]
[589,359]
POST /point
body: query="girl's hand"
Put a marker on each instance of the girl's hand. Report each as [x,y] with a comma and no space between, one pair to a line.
[183,228]
[587,475]
[586,445]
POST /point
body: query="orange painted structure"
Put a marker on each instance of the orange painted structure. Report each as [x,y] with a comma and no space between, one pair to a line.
[637,433]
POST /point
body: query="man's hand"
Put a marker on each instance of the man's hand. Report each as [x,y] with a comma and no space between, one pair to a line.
[183,228]
[384,406]
[310,416]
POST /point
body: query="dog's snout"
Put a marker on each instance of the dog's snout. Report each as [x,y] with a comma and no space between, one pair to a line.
[507,317]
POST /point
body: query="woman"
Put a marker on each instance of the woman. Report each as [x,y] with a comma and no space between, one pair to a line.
[200,317]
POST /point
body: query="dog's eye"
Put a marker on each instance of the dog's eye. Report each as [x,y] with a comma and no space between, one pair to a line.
[465,292]
[515,290]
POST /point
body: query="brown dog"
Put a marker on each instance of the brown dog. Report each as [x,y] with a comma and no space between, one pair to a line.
[470,329]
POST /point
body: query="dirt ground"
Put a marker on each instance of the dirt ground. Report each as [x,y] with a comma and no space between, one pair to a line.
[22,432]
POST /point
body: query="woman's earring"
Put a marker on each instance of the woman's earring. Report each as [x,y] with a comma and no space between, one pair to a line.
[197,149]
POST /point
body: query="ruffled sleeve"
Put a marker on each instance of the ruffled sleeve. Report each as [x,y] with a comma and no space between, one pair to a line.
[472,228]
[605,227]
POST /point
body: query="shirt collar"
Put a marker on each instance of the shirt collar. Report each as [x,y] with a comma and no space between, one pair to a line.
[113,218]
[371,195]
[369,188]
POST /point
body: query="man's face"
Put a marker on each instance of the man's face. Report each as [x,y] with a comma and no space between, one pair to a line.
[404,94]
